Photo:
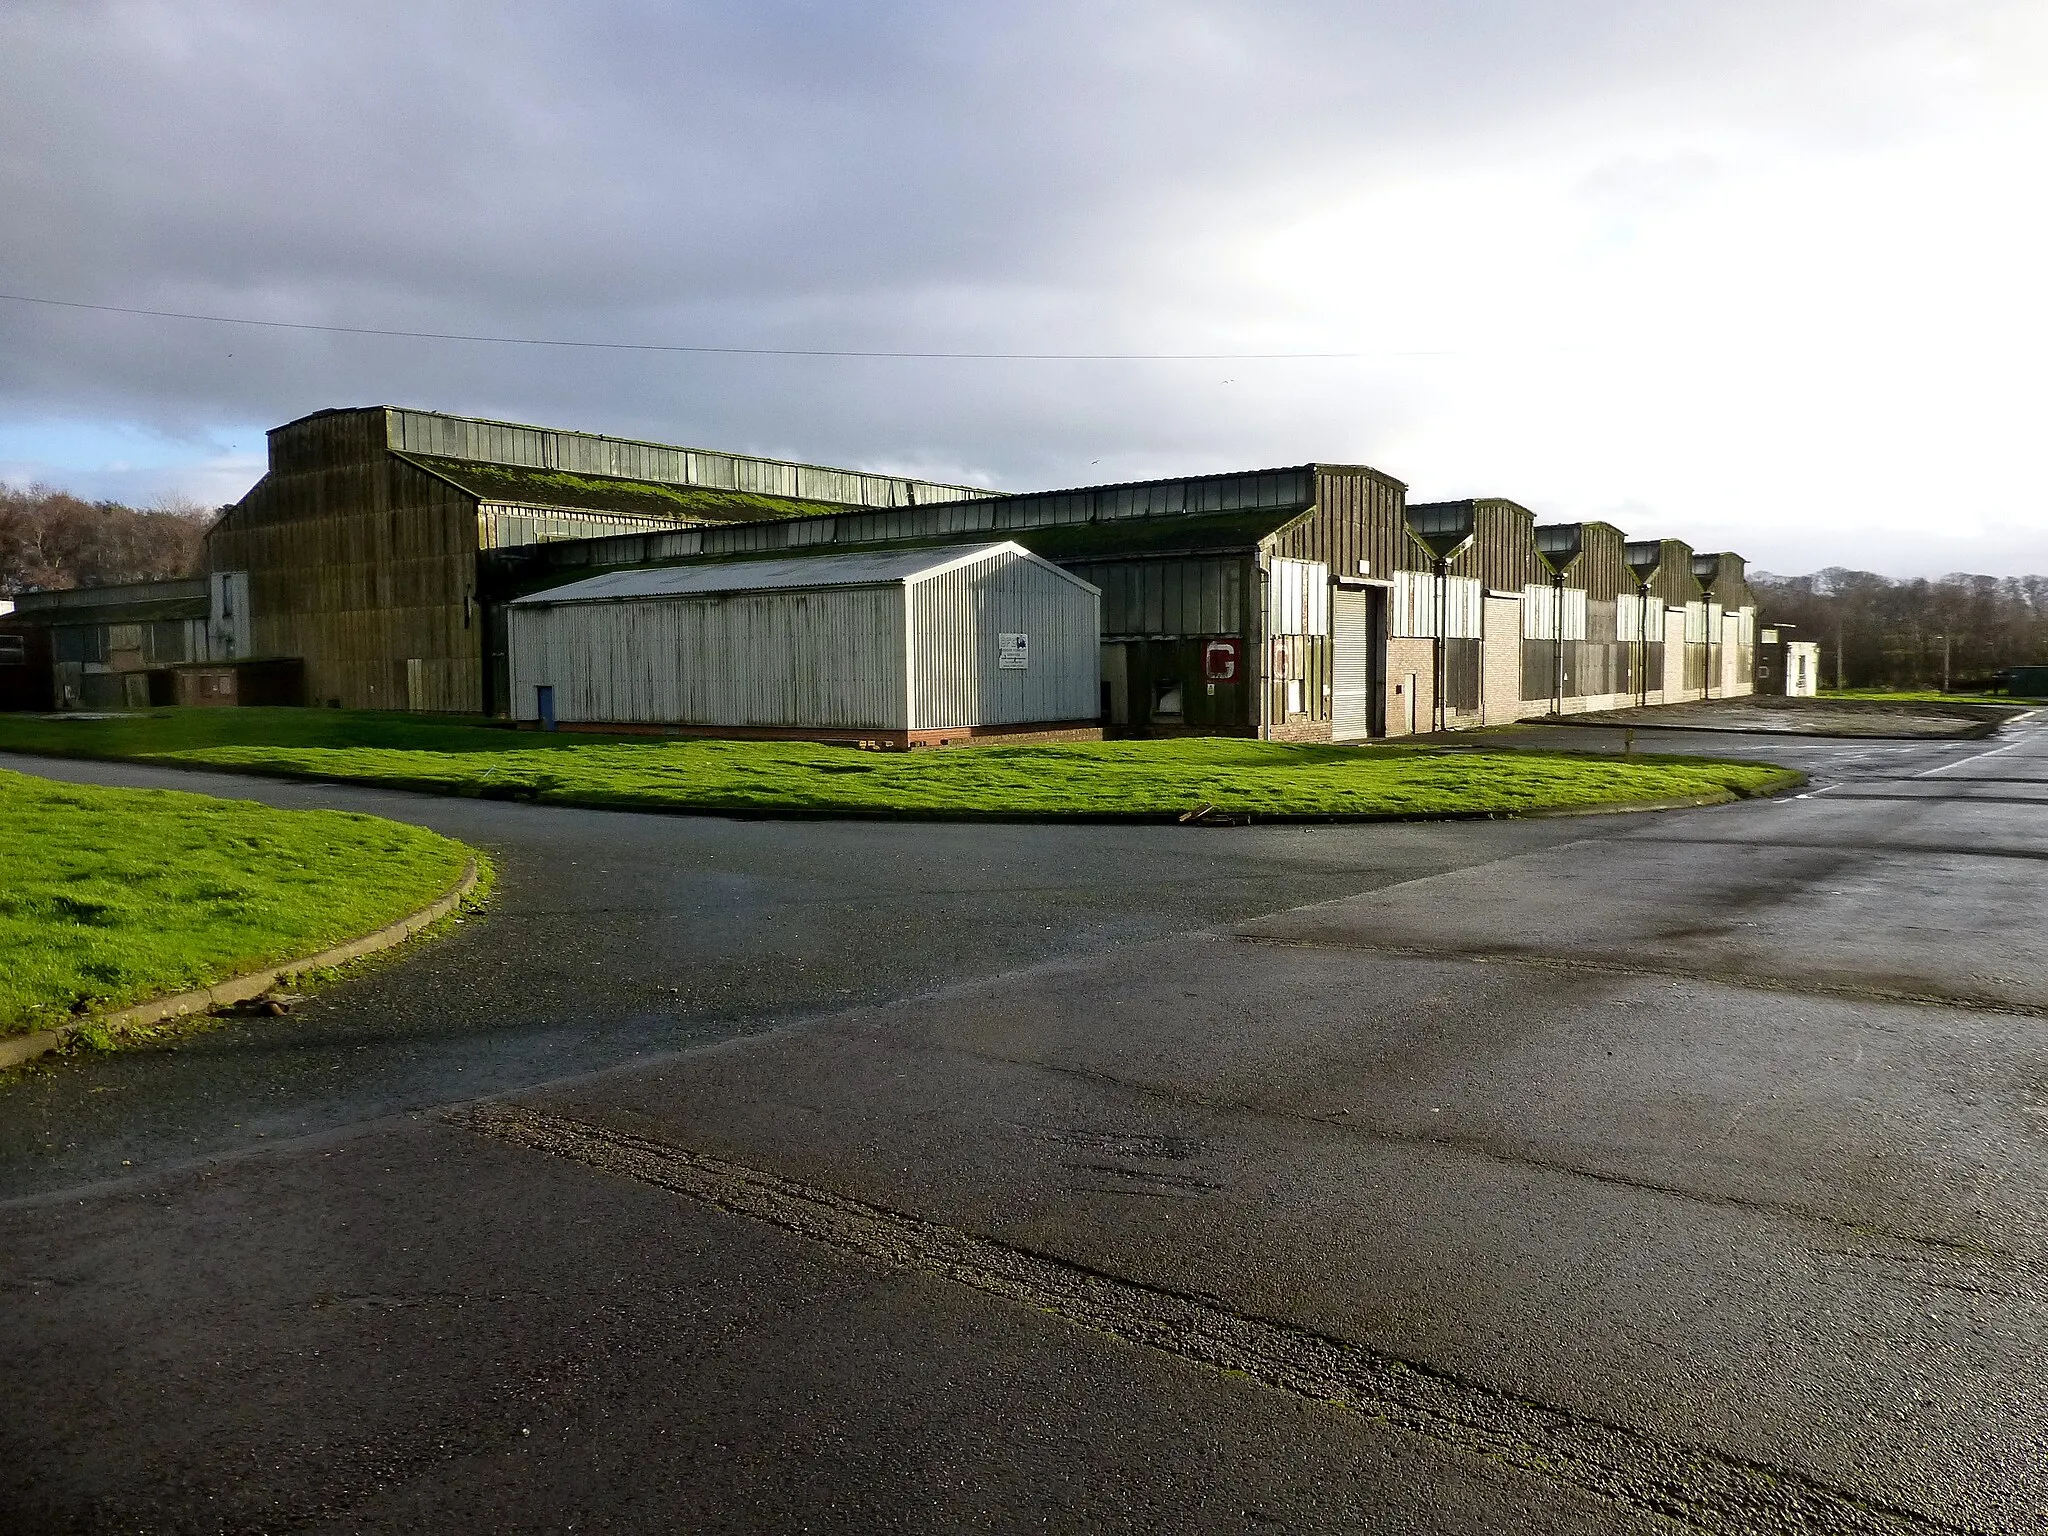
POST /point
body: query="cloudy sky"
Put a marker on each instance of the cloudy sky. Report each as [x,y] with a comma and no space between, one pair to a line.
[1761,274]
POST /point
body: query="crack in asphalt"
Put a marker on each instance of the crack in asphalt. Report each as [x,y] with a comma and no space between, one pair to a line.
[1743,979]
[1940,1249]
[1702,1489]
[1845,846]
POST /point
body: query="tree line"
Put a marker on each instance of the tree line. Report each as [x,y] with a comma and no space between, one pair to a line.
[1875,632]
[50,539]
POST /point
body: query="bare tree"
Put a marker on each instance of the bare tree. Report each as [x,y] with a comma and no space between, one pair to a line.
[50,539]
[1886,633]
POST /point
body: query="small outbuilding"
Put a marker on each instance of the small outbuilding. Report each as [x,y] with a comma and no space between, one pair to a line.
[916,647]
[24,665]
[2025,682]
[1787,667]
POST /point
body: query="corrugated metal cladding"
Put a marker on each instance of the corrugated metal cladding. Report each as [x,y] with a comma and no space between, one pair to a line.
[1547,608]
[324,440]
[887,640]
[1502,556]
[1253,491]
[832,658]
[1168,598]
[957,619]
[1601,567]
[1298,598]
[1673,584]
[586,453]
[614,550]
[1416,596]
[1724,575]
[1639,618]
[504,525]
[362,565]
[1357,526]
[803,571]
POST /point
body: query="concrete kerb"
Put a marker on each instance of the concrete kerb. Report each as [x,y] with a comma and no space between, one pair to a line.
[238,989]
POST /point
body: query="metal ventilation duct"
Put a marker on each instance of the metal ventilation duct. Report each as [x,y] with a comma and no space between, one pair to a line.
[1558,544]
[1443,528]
[1644,556]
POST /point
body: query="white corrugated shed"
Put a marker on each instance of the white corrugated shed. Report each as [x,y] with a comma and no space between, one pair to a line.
[926,639]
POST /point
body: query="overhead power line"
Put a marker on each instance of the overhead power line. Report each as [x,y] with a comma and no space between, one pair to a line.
[653,346]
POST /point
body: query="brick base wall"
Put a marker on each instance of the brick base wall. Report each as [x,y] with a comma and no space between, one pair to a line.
[1301,731]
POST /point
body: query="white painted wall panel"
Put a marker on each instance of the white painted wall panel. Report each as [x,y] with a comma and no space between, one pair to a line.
[1415,602]
[957,619]
[1298,597]
[1638,618]
[1543,610]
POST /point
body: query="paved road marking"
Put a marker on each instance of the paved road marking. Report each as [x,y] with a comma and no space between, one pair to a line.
[1697,1488]
[1975,757]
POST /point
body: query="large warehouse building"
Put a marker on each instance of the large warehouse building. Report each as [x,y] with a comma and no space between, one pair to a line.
[1308,604]
[387,550]
[362,541]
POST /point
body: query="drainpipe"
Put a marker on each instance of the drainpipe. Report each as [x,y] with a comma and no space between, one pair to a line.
[1259,696]
[1642,644]
[1557,643]
[1443,593]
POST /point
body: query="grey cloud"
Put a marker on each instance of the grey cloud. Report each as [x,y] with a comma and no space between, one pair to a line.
[918,175]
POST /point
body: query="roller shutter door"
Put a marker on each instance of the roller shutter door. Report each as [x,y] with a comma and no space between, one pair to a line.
[1351,623]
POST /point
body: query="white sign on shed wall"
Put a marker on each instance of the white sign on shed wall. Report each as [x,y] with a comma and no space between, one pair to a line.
[1013,652]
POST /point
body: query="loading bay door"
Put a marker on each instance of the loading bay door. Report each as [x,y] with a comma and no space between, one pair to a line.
[1358,694]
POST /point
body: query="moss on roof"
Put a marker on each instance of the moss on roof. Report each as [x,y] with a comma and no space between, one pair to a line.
[607,493]
[1166,534]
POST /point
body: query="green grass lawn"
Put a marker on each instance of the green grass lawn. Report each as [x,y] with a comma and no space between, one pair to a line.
[1138,778]
[1923,696]
[114,896]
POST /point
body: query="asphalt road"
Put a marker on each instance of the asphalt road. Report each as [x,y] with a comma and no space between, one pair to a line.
[1625,1173]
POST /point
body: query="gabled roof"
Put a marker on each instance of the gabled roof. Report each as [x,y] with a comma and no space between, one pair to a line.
[522,486]
[886,567]
[1184,534]
[479,440]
